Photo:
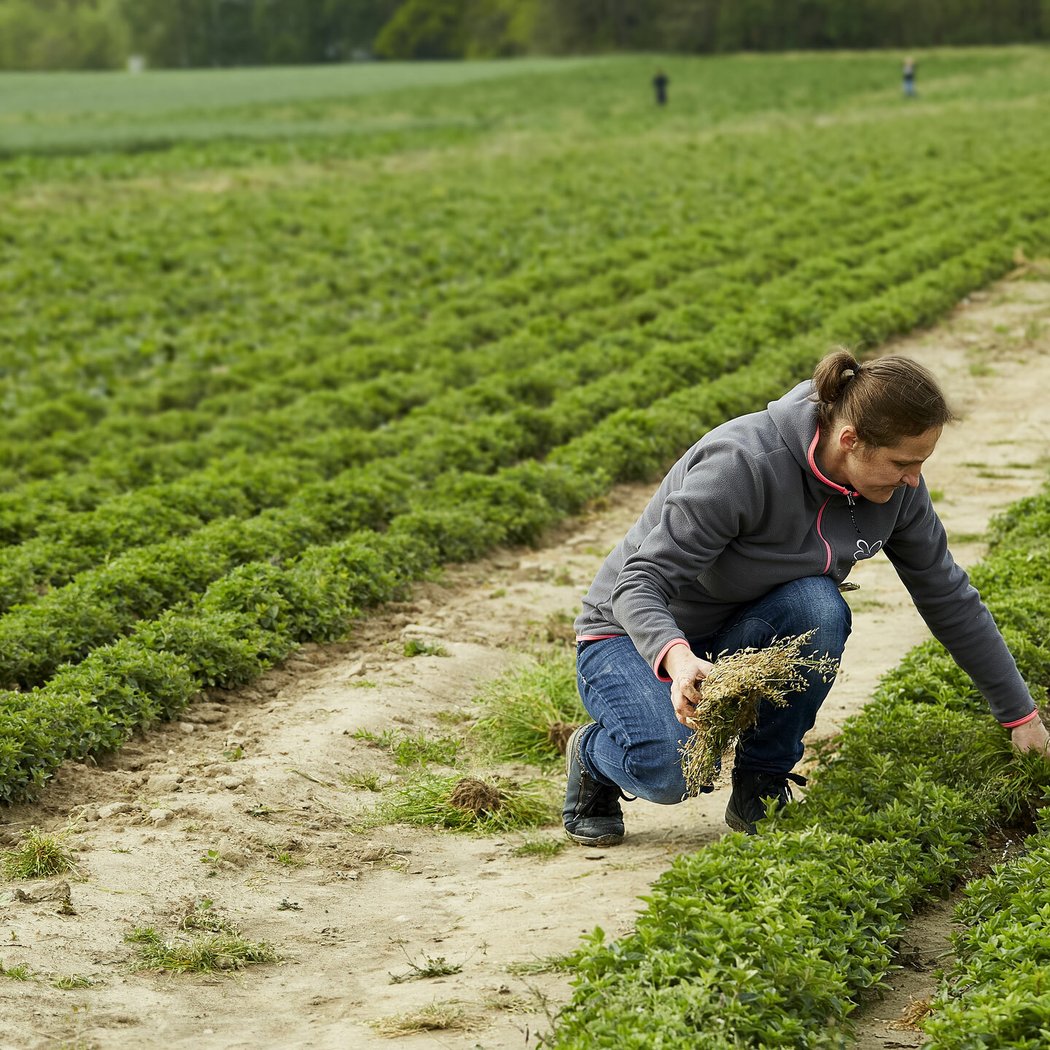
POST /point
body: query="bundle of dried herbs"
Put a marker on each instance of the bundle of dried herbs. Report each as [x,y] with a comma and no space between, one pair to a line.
[731,694]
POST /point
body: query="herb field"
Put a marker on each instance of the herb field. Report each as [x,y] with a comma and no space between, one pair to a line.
[277,345]
[251,388]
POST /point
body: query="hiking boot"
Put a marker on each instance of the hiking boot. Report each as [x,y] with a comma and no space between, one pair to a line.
[592,814]
[751,789]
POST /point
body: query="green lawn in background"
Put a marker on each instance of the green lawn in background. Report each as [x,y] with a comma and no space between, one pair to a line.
[77,112]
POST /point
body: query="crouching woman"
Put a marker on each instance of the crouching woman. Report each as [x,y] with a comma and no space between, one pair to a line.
[748,539]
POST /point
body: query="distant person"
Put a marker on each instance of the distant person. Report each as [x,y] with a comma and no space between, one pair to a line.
[660,82]
[908,74]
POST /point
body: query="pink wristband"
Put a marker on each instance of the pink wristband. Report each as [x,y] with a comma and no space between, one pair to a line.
[658,662]
[1020,721]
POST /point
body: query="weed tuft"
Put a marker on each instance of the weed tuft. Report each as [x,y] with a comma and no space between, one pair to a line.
[529,714]
[206,953]
[414,647]
[543,848]
[437,966]
[447,1016]
[476,796]
[427,801]
[72,981]
[38,856]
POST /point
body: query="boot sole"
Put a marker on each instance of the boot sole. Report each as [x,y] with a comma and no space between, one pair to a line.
[595,840]
[739,824]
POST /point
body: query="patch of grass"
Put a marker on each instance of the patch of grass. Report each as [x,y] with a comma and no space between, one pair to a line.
[448,1016]
[38,856]
[286,855]
[363,683]
[384,740]
[544,848]
[937,495]
[453,718]
[534,967]
[413,750]
[15,973]
[529,713]
[437,966]
[205,953]
[362,781]
[557,629]
[72,981]
[421,750]
[201,915]
[470,804]
[415,647]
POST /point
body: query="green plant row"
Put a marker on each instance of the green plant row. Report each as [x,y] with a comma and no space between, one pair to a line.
[126,300]
[71,542]
[357,273]
[997,992]
[76,543]
[102,603]
[260,611]
[275,395]
[255,616]
[550,360]
[769,941]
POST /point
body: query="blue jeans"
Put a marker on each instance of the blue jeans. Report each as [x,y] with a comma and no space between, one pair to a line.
[635,744]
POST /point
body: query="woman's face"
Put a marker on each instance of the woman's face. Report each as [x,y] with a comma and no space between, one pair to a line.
[876,473]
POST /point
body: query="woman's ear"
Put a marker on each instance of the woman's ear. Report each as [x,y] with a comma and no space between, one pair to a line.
[847,438]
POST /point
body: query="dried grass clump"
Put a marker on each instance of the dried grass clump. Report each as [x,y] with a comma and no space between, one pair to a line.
[459,803]
[730,697]
[476,796]
[912,1016]
[558,734]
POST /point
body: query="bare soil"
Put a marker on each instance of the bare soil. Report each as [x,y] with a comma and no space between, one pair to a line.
[243,803]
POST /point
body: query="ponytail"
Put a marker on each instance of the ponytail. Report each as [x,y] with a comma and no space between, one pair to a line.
[885,400]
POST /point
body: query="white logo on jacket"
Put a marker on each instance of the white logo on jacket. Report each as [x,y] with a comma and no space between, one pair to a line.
[866,550]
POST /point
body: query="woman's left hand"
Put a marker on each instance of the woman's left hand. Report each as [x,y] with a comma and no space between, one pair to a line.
[1032,736]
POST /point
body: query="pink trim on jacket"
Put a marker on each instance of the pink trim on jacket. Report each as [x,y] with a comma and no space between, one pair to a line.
[842,490]
[811,456]
[1020,721]
[658,662]
[827,546]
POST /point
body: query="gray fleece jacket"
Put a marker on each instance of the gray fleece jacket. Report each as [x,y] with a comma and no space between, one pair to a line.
[745,510]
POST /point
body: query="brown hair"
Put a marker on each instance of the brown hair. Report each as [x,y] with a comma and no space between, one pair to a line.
[886,399]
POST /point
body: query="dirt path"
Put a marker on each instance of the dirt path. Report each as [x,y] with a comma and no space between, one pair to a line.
[242,803]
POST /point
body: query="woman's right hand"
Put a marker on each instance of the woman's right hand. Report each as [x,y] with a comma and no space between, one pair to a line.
[687,673]
[1032,736]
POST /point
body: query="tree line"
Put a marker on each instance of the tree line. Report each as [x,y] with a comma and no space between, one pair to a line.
[101,34]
